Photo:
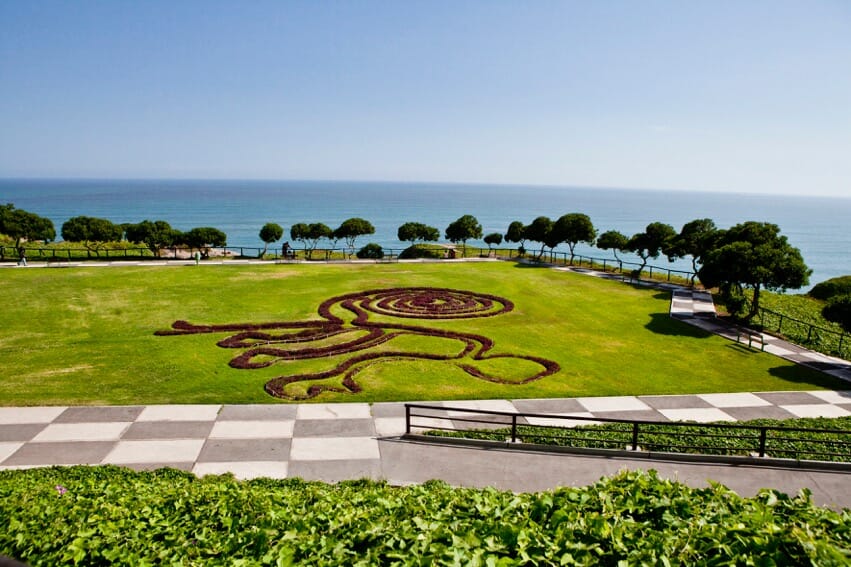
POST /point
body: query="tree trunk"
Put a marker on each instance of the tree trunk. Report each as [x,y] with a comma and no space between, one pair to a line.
[754,304]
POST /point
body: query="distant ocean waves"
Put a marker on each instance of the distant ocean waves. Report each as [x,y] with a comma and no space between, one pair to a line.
[818,226]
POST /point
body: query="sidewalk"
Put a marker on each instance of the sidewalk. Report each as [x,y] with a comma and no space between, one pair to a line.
[332,442]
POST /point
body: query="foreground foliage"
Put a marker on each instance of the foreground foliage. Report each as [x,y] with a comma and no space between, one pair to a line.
[693,439]
[107,515]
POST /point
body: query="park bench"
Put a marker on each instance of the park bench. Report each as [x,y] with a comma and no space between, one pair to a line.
[752,337]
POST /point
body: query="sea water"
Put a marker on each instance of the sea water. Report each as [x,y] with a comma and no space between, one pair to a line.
[818,226]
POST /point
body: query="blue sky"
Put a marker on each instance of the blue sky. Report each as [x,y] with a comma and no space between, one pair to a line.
[719,96]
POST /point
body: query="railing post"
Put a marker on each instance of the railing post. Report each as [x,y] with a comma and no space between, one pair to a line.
[635,436]
[780,324]
[407,419]
[762,434]
[514,428]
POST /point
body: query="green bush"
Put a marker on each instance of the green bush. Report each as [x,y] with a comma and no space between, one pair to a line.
[671,439]
[112,516]
[831,288]
[421,251]
[371,250]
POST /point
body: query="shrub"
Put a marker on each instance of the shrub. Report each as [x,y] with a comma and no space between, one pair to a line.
[419,251]
[371,251]
[831,288]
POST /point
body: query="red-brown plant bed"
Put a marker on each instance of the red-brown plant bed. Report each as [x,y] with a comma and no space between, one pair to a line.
[410,303]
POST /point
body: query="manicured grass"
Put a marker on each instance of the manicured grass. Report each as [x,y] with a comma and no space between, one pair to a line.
[86,336]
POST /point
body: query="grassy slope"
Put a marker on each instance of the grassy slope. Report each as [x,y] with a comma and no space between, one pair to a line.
[86,335]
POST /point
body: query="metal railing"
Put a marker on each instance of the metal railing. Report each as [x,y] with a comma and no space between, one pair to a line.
[711,439]
[819,338]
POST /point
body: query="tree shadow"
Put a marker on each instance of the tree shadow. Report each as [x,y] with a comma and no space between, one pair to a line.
[806,374]
[664,324]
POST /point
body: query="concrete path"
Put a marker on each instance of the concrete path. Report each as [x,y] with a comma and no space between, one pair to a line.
[333,442]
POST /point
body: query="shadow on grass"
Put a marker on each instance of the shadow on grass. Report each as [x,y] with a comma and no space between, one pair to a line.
[798,374]
[664,324]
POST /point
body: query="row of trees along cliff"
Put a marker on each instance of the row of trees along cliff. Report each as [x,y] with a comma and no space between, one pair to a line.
[750,255]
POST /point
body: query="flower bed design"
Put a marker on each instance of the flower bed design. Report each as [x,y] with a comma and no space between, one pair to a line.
[269,343]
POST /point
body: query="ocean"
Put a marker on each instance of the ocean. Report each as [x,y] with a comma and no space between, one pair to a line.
[818,226]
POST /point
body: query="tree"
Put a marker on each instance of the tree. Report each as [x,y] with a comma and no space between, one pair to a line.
[91,231]
[203,238]
[614,241]
[695,239]
[310,235]
[24,225]
[271,232]
[539,231]
[155,235]
[414,231]
[650,243]
[463,229]
[493,239]
[755,255]
[838,310]
[350,229]
[572,229]
[516,233]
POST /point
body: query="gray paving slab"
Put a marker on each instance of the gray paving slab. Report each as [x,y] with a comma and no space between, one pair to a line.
[388,409]
[334,428]
[184,466]
[168,430]
[261,412]
[674,402]
[224,450]
[60,453]
[568,405]
[99,414]
[646,415]
[790,398]
[22,432]
[747,414]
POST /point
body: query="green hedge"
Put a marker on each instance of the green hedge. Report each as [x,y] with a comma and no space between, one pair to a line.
[667,438]
[112,516]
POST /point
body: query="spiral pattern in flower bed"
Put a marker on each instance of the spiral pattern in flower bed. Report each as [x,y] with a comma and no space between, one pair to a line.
[270,343]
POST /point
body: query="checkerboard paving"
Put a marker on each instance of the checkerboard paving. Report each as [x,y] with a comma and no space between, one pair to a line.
[328,442]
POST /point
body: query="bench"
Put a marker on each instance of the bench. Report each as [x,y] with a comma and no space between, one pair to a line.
[753,338]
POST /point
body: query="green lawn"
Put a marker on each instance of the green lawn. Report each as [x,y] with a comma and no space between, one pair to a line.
[86,336]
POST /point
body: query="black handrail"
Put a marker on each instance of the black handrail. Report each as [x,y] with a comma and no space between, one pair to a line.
[760,435]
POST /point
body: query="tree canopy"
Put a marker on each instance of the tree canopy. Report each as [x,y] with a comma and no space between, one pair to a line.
[414,231]
[539,231]
[754,255]
[493,239]
[572,229]
[203,238]
[614,241]
[24,225]
[91,231]
[650,243]
[155,235]
[269,233]
[350,229]
[516,233]
[695,239]
[463,229]
[310,235]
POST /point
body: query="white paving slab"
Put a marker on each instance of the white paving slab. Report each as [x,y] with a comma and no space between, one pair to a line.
[817,410]
[389,426]
[613,403]
[179,413]
[160,451]
[82,431]
[10,416]
[832,396]
[244,470]
[252,429]
[702,415]
[6,449]
[487,405]
[333,448]
[735,400]
[333,411]
[553,422]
